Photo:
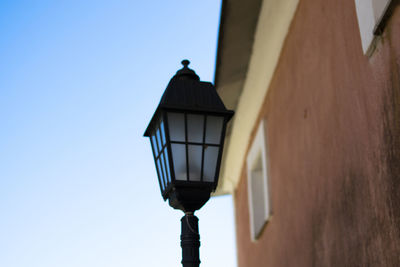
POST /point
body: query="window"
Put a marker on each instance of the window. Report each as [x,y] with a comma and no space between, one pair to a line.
[257,178]
[372,16]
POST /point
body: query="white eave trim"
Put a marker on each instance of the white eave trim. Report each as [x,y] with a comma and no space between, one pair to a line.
[272,28]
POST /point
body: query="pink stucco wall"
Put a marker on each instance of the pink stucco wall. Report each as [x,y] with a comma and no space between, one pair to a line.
[333,119]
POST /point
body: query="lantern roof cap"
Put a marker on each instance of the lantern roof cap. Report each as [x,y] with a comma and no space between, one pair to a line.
[186,93]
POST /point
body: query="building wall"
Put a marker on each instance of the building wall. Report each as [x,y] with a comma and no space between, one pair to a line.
[333,128]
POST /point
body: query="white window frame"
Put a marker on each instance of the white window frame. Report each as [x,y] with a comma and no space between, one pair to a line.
[257,153]
[371,15]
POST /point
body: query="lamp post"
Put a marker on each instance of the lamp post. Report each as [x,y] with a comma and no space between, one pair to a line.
[187,133]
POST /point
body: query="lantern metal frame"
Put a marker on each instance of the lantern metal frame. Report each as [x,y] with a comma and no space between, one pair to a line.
[187,95]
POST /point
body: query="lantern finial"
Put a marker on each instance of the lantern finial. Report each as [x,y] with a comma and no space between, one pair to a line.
[186,73]
[185,63]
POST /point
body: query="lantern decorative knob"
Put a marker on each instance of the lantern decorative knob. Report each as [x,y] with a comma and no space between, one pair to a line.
[186,73]
[185,63]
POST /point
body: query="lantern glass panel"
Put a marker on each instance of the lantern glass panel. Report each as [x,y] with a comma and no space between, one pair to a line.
[159,140]
[154,145]
[214,129]
[163,165]
[162,132]
[195,126]
[179,160]
[210,163]
[163,172]
[154,148]
[159,171]
[176,125]
[194,162]
[167,163]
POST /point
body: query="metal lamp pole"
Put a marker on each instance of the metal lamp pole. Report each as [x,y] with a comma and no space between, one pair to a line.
[190,240]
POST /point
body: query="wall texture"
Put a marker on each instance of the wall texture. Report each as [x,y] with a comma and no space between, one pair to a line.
[333,118]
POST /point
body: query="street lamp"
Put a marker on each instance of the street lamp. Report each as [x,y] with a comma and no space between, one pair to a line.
[187,133]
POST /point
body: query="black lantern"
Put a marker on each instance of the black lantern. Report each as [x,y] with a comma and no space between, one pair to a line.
[187,134]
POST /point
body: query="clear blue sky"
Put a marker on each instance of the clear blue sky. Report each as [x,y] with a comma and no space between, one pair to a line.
[79,81]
